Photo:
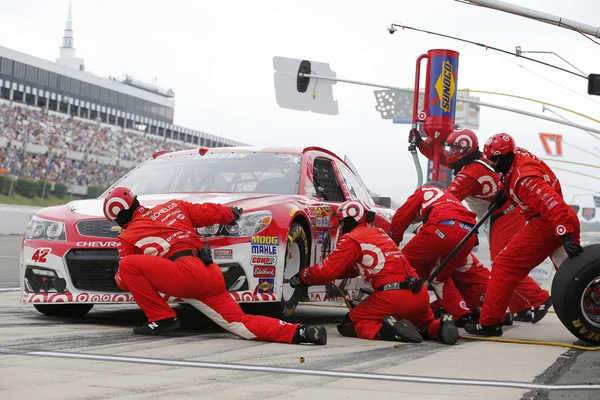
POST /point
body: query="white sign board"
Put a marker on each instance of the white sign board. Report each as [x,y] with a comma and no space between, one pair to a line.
[467,114]
[318,97]
[398,105]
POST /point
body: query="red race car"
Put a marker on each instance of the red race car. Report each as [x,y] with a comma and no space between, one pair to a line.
[69,256]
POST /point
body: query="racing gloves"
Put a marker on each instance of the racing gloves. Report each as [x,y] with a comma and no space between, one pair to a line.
[237,212]
[499,199]
[295,281]
[572,248]
[414,133]
[205,255]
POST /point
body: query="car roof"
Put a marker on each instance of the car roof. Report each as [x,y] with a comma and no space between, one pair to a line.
[288,150]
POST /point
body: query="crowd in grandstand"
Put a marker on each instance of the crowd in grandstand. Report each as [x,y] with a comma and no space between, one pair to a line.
[58,137]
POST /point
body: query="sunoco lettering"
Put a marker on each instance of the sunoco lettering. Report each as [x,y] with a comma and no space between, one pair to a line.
[446,85]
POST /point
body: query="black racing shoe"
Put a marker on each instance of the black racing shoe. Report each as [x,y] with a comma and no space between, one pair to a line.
[448,332]
[397,331]
[489,330]
[540,312]
[475,314]
[508,318]
[462,321]
[523,315]
[437,312]
[310,334]
[158,327]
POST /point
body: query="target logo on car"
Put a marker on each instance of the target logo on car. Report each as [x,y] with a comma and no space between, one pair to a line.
[263,260]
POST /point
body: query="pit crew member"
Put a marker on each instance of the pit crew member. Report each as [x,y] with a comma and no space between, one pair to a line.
[398,292]
[477,183]
[446,221]
[552,227]
[161,252]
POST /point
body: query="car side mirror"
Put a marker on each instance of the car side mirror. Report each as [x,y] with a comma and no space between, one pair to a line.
[594,84]
[383,201]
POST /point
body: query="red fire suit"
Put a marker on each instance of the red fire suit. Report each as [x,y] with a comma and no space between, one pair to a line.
[477,183]
[369,252]
[152,237]
[446,223]
[471,281]
[533,187]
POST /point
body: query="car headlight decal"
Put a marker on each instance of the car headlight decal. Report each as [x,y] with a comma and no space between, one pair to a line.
[249,224]
[44,229]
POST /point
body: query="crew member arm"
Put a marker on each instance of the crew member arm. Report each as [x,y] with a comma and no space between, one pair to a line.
[405,215]
[207,214]
[425,146]
[540,197]
[127,249]
[336,265]
[463,186]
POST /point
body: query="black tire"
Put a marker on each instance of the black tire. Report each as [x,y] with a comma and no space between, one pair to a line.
[64,310]
[568,287]
[284,309]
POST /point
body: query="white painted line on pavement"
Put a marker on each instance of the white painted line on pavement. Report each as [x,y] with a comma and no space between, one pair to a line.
[297,371]
[10,289]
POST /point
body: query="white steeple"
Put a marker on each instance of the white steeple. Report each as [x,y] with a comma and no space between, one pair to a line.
[67,51]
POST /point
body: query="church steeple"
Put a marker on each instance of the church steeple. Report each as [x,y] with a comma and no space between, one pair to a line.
[67,51]
[68,36]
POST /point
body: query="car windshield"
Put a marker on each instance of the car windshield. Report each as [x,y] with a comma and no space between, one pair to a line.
[237,172]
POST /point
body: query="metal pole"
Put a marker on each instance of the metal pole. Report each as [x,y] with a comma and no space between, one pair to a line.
[519,52]
[545,108]
[469,101]
[537,15]
[12,183]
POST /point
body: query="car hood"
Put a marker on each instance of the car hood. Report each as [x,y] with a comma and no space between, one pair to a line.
[79,209]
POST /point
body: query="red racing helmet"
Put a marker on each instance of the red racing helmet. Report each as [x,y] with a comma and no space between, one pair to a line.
[355,209]
[118,199]
[499,144]
[459,144]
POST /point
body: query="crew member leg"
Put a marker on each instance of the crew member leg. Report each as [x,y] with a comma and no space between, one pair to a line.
[528,293]
[471,280]
[226,313]
[528,248]
[367,317]
[146,275]
[429,247]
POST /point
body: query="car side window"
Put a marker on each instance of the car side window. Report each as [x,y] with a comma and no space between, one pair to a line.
[326,182]
[355,188]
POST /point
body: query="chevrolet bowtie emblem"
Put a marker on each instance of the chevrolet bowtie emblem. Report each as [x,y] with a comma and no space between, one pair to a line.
[116,228]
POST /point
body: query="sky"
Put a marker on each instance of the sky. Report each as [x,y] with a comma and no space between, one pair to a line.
[218,58]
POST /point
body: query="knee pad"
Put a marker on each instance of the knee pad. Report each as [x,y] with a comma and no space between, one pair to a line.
[347,329]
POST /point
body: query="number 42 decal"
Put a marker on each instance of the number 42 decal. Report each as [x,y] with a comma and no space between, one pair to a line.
[40,254]
[545,137]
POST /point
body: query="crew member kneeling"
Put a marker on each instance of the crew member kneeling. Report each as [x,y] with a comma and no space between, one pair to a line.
[159,253]
[399,293]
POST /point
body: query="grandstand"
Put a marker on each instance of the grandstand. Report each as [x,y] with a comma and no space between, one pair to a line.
[62,124]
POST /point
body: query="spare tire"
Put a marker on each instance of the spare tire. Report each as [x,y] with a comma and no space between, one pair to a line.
[576,294]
